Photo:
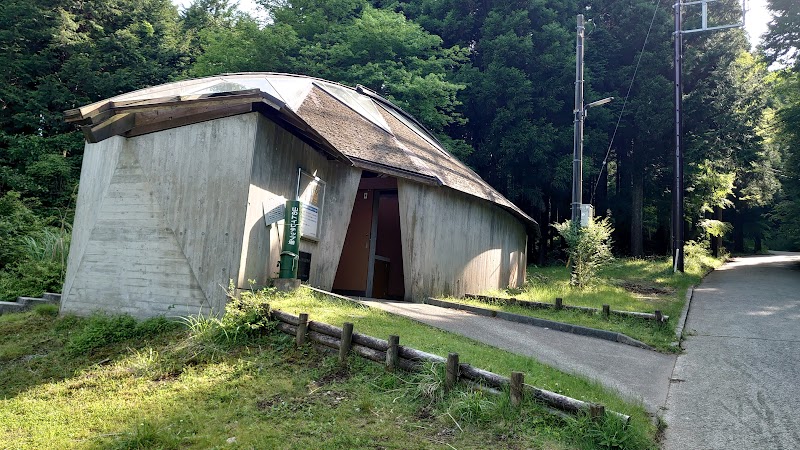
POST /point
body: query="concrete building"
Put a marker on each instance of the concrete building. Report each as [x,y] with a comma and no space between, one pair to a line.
[182,186]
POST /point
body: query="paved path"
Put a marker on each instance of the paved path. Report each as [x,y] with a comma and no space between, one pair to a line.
[741,368]
[637,373]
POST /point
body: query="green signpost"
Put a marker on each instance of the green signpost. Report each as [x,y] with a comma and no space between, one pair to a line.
[291,240]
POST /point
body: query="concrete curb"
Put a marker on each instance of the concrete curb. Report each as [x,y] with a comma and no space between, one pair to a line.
[559,326]
[684,316]
[26,303]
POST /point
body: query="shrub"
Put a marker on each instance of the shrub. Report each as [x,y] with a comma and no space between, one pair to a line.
[33,258]
[698,258]
[588,247]
[30,278]
[246,316]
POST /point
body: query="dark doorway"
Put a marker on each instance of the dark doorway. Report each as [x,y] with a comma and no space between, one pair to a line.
[371,264]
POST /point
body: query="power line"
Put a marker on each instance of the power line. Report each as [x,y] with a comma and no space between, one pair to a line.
[625,102]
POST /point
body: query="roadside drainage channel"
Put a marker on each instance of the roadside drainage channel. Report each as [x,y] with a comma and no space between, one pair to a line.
[543,323]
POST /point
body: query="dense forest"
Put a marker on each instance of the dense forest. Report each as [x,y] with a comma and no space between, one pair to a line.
[493,79]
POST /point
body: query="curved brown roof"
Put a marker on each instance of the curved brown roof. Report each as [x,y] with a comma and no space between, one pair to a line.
[378,135]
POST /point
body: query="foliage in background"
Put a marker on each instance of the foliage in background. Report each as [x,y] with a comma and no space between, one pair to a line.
[589,248]
[782,42]
[33,256]
[786,140]
[347,41]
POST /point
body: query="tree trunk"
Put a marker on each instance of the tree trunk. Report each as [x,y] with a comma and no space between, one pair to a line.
[637,211]
[716,241]
[601,195]
[544,232]
[622,216]
[738,232]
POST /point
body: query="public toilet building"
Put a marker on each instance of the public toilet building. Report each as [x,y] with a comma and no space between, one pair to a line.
[182,186]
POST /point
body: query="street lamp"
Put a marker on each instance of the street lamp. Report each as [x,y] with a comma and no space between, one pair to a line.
[580,116]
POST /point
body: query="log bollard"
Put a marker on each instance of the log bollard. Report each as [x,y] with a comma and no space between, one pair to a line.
[559,302]
[451,371]
[606,311]
[517,383]
[346,342]
[659,316]
[391,353]
[302,328]
[596,412]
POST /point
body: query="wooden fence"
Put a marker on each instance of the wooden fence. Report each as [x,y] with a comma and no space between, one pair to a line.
[559,304]
[396,356]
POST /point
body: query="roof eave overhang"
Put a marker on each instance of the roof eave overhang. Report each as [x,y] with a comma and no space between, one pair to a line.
[102,120]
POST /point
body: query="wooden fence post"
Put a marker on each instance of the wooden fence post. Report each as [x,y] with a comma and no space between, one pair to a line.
[596,411]
[559,302]
[451,371]
[517,383]
[606,311]
[659,316]
[302,328]
[391,353]
[346,342]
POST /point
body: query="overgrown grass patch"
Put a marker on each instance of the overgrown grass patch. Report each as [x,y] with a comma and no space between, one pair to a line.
[628,284]
[381,324]
[208,386]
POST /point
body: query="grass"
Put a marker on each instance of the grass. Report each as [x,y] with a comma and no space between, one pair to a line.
[234,383]
[627,284]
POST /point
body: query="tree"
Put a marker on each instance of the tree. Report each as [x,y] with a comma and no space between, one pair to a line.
[786,141]
[347,41]
[782,40]
[725,101]
[58,55]
[61,54]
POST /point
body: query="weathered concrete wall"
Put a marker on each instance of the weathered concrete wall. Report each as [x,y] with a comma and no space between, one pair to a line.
[164,235]
[455,244]
[99,161]
[277,157]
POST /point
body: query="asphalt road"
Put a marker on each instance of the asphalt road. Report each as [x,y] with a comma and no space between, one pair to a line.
[737,385]
[638,374]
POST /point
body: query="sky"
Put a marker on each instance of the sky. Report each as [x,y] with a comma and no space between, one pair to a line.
[755,20]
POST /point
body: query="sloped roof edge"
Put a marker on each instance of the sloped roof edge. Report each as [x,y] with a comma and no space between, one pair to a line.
[191,101]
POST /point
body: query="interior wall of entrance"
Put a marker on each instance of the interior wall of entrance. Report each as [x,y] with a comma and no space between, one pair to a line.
[371,264]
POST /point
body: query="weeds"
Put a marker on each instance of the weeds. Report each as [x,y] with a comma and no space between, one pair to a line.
[101,330]
[146,435]
[46,309]
[607,433]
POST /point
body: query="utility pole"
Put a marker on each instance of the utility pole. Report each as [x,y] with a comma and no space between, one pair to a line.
[677,193]
[577,153]
[678,188]
[580,111]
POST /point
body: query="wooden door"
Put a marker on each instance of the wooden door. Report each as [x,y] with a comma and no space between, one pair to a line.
[351,275]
